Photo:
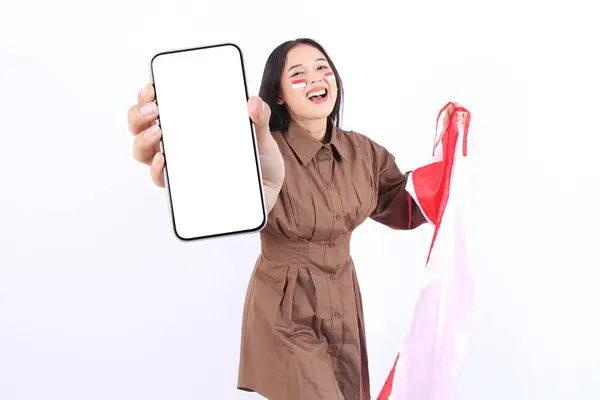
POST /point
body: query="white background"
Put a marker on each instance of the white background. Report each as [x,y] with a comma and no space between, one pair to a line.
[98,300]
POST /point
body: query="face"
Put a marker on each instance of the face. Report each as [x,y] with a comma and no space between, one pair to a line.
[308,85]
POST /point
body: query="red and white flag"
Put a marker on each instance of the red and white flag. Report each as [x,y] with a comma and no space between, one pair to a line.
[429,362]
[329,75]
[298,83]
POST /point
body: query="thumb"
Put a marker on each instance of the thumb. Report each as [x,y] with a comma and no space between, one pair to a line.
[260,113]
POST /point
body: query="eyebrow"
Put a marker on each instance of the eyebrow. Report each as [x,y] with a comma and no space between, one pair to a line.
[299,65]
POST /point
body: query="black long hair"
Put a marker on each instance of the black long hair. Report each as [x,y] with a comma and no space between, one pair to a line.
[270,87]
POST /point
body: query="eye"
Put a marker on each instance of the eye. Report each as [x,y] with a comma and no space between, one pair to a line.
[295,74]
[323,67]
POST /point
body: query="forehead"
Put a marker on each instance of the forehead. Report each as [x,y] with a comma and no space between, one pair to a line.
[303,54]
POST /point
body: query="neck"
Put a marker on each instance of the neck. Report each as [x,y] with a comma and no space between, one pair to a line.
[317,128]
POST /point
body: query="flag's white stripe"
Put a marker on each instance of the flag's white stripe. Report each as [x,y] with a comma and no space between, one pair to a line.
[434,349]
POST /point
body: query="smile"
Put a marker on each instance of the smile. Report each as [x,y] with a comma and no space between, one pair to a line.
[317,95]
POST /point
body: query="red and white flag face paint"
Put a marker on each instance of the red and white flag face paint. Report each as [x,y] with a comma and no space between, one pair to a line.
[430,360]
[329,76]
[299,83]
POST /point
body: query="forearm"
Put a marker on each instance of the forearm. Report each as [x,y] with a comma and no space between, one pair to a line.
[398,210]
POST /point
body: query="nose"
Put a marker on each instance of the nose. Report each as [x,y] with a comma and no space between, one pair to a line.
[315,77]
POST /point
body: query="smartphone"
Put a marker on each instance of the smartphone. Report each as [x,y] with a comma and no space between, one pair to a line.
[212,168]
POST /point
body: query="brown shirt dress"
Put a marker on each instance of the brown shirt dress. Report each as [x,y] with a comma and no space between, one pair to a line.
[303,335]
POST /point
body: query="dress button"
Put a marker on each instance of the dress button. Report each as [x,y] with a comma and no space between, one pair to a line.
[337,314]
[331,244]
[332,277]
[338,216]
[334,348]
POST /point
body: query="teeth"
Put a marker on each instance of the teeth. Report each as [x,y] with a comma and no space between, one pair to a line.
[317,93]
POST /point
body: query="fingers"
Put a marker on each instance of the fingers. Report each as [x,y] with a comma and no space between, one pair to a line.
[141,120]
[146,95]
[144,113]
[147,144]
[157,170]
[260,113]
[141,116]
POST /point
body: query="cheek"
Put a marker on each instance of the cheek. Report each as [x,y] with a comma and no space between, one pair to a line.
[333,87]
[293,97]
[333,92]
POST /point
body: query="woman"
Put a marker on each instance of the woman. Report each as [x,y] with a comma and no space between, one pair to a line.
[303,334]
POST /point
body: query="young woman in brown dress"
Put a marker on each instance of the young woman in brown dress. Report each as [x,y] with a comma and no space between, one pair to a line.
[303,335]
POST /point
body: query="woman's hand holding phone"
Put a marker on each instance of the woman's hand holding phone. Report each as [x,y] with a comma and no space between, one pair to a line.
[142,122]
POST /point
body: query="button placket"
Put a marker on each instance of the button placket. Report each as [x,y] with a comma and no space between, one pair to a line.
[324,158]
[325,164]
[335,292]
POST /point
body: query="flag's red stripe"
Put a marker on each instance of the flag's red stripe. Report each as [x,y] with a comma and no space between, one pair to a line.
[449,145]
[449,139]
[466,130]
[298,81]
[427,181]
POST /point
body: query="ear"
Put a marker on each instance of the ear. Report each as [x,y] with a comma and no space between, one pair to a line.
[279,100]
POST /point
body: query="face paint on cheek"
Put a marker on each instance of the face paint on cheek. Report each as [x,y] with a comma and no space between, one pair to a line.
[329,76]
[298,83]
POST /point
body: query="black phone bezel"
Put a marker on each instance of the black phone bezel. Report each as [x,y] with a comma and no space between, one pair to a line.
[254,143]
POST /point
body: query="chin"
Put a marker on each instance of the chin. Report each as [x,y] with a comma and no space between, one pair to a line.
[313,111]
[317,115]
[319,111]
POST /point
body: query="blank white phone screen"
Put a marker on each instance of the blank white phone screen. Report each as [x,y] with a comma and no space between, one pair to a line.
[212,168]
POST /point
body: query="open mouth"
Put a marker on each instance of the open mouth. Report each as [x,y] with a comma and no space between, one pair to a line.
[318,95]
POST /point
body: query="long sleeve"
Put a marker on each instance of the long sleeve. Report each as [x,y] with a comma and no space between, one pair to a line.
[395,207]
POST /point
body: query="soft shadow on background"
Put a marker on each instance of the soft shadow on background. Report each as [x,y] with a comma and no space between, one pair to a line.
[98,300]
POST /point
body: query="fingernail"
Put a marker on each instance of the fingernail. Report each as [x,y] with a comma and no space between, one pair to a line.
[151,132]
[147,109]
[263,105]
[143,91]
